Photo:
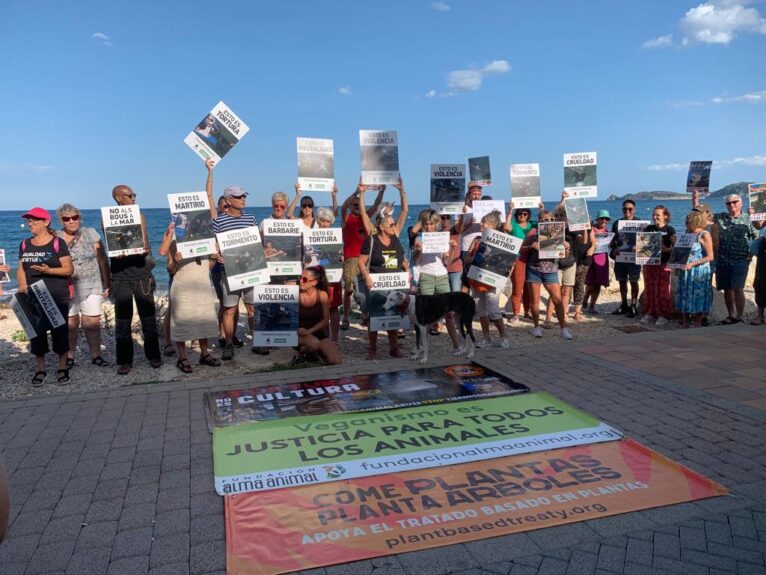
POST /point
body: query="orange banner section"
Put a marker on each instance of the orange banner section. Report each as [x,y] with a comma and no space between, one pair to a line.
[306,527]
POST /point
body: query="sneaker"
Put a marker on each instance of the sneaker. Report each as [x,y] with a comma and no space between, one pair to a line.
[632,312]
[228,352]
[661,321]
[622,310]
[505,342]
[565,333]
[484,343]
[261,351]
[646,319]
[237,342]
[537,332]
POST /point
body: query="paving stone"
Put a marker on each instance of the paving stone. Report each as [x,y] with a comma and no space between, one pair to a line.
[170,522]
[42,499]
[206,504]
[639,551]
[110,489]
[129,566]
[503,548]
[207,557]
[551,566]
[706,559]
[93,561]
[212,528]
[141,515]
[18,549]
[175,479]
[691,538]
[132,542]
[676,566]
[738,554]
[80,485]
[121,455]
[116,471]
[611,558]
[433,561]
[147,474]
[147,458]
[171,499]
[97,535]
[30,523]
[718,532]
[63,529]
[667,545]
[169,550]
[522,570]
[172,569]
[51,557]
[142,493]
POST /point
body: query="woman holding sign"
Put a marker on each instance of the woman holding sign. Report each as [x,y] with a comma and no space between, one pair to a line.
[382,252]
[694,297]
[45,258]
[657,303]
[314,316]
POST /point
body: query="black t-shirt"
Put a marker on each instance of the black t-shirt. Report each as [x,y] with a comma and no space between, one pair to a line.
[30,254]
[667,239]
[384,259]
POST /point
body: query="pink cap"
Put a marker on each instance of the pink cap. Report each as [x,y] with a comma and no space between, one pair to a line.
[39,213]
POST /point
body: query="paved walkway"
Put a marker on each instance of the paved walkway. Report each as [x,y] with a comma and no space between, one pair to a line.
[120,482]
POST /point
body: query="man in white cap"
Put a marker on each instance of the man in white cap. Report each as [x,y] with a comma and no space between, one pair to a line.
[233,219]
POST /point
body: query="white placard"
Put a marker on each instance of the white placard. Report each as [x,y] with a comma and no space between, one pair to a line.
[482,207]
[448,188]
[525,185]
[243,258]
[324,247]
[435,242]
[316,164]
[282,246]
[193,224]
[123,230]
[379,152]
[382,285]
[494,258]
[580,175]
[217,133]
[276,316]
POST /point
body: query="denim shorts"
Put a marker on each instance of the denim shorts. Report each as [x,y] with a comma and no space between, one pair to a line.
[537,277]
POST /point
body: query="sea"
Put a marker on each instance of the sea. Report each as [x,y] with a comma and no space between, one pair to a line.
[13,229]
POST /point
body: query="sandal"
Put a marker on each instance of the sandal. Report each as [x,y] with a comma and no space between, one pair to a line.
[169,350]
[184,365]
[99,362]
[124,369]
[63,376]
[38,378]
[757,321]
[69,362]
[209,360]
[344,325]
[155,363]
[728,321]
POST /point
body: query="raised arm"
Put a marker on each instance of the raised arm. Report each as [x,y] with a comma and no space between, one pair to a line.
[363,211]
[291,207]
[334,201]
[402,219]
[507,225]
[346,207]
[210,164]
[378,200]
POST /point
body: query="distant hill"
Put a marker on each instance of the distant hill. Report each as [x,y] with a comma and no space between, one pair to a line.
[738,188]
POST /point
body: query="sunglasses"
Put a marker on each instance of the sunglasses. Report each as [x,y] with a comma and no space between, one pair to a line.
[279,207]
[73,218]
[732,203]
[304,279]
[129,195]
[242,197]
[304,206]
[627,209]
[446,217]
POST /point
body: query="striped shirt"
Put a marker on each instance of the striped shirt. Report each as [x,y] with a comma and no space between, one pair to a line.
[226,223]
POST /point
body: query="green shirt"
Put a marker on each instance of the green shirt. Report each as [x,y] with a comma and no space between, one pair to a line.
[735,235]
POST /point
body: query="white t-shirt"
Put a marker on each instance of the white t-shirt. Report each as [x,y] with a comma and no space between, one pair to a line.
[469,232]
[432,265]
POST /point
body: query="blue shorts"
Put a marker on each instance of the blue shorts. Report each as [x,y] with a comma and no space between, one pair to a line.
[624,271]
[731,275]
[536,277]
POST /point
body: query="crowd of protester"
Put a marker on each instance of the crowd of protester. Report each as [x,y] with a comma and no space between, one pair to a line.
[72,264]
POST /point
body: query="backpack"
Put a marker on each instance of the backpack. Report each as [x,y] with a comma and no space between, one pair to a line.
[70,282]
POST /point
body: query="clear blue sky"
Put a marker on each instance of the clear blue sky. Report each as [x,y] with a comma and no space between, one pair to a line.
[97,93]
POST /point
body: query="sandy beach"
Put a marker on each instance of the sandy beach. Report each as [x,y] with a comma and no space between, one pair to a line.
[18,365]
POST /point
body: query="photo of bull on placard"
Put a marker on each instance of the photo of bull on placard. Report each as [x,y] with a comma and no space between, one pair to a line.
[492,259]
[215,135]
[648,248]
[242,259]
[447,190]
[323,255]
[124,237]
[191,226]
[281,248]
[315,165]
[579,176]
[380,159]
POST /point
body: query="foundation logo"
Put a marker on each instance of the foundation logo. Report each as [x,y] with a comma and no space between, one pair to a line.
[464,370]
[335,471]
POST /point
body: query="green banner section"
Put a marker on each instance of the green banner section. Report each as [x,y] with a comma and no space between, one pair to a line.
[299,443]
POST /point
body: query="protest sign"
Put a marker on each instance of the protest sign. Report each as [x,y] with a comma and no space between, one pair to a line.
[217,133]
[756,193]
[435,242]
[27,312]
[698,178]
[479,172]
[648,248]
[324,247]
[447,188]
[307,527]
[123,230]
[679,257]
[602,243]
[380,156]
[48,305]
[580,175]
[551,237]
[243,258]
[193,224]
[495,256]
[625,245]
[578,218]
[316,165]
[382,286]
[481,208]
[301,451]
[4,278]
[355,393]
[282,246]
[525,185]
[276,313]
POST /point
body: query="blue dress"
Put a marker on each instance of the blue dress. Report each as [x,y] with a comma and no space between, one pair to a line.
[694,293]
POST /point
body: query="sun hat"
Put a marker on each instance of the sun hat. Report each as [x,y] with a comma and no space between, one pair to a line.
[233,191]
[39,213]
[701,208]
[472,186]
[604,214]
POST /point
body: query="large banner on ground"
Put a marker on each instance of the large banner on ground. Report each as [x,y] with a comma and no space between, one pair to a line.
[369,392]
[306,527]
[300,451]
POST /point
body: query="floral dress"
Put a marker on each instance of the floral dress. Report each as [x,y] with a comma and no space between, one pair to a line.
[694,293]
